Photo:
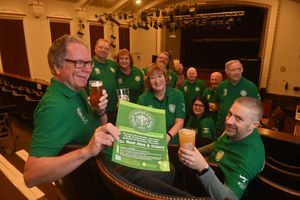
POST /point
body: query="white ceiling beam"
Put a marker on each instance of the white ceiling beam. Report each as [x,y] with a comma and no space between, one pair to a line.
[152,4]
[118,5]
[83,3]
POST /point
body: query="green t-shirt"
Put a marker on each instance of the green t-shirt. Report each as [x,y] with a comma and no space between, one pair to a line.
[190,91]
[240,161]
[62,117]
[107,72]
[134,81]
[205,127]
[173,104]
[227,93]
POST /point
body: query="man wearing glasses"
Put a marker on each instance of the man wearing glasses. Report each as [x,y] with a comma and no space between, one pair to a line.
[106,71]
[64,117]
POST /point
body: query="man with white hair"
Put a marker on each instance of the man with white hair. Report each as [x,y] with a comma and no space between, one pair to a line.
[232,88]
[191,88]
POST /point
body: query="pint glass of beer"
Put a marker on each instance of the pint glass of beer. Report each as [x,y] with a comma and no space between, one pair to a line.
[96,87]
[187,138]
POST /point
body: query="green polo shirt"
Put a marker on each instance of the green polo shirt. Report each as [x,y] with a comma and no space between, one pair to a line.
[205,127]
[240,161]
[173,104]
[171,74]
[227,93]
[172,78]
[107,72]
[190,91]
[209,94]
[62,117]
[134,81]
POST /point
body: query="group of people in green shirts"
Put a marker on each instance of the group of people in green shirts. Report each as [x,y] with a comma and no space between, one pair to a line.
[188,103]
[64,115]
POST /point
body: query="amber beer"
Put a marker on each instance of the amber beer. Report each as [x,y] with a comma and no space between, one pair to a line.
[187,138]
[95,92]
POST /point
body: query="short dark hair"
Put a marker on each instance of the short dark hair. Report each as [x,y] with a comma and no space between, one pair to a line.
[253,104]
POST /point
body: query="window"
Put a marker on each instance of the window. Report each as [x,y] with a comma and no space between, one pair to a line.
[13,47]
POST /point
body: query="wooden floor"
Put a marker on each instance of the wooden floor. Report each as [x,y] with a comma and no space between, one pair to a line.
[12,186]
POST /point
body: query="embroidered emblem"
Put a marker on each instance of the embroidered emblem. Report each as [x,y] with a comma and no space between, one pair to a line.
[225,92]
[208,97]
[185,88]
[243,93]
[137,78]
[112,70]
[219,155]
[172,108]
[206,130]
[170,77]
[197,89]
[82,117]
[97,71]
[120,80]
[242,183]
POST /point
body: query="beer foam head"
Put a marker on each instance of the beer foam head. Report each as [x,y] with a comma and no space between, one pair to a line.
[186,131]
[96,83]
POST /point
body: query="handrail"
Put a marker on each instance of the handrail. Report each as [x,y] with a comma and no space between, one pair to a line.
[277,135]
[137,192]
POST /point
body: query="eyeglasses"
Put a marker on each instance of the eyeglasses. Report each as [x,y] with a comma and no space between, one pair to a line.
[80,64]
[198,105]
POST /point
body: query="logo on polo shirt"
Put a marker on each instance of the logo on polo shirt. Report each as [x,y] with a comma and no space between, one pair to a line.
[120,80]
[225,92]
[97,71]
[141,120]
[83,118]
[170,77]
[185,88]
[219,155]
[243,93]
[242,182]
[172,108]
[206,130]
[197,89]
[137,78]
[112,70]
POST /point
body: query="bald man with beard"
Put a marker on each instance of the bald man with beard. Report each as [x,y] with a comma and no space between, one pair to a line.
[191,88]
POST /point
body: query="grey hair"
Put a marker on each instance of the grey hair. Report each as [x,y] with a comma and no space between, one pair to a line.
[252,104]
[230,62]
[58,50]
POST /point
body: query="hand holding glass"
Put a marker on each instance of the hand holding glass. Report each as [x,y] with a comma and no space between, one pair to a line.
[96,87]
[123,94]
[187,138]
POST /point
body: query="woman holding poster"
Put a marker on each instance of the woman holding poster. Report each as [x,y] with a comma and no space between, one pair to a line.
[160,95]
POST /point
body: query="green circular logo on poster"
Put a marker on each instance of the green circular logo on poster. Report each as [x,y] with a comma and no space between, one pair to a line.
[141,120]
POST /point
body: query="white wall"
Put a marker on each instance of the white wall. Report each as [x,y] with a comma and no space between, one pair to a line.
[285,67]
[281,48]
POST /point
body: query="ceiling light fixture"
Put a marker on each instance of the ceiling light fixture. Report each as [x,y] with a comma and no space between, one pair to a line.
[138,1]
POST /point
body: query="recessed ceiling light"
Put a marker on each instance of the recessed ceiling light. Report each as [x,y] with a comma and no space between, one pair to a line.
[138,1]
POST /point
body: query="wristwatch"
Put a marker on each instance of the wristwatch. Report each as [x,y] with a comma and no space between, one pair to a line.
[203,171]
